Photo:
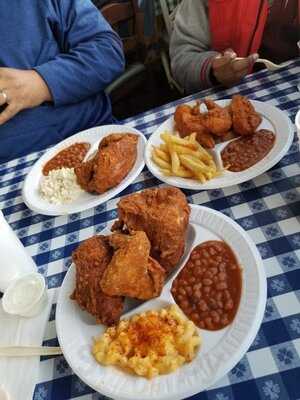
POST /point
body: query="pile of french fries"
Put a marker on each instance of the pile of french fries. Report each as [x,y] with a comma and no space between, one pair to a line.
[184,157]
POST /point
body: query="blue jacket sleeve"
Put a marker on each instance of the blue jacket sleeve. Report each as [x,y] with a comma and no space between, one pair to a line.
[91,53]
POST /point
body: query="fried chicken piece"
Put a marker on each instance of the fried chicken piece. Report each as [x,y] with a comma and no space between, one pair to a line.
[163,214]
[188,120]
[115,158]
[131,272]
[84,174]
[227,136]
[91,258]
[245,118]
[217,120]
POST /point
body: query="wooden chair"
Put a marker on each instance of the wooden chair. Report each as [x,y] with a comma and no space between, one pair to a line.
[118,14]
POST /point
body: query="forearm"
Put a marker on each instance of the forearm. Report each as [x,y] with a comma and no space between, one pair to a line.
[192,70]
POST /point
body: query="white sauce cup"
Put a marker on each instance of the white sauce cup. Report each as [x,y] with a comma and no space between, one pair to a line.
[25,296]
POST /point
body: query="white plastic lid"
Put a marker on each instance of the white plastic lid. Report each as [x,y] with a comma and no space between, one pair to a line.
[25,296]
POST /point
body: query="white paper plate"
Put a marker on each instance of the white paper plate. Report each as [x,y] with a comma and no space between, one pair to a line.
[272,119]
[220,350]
[86,200]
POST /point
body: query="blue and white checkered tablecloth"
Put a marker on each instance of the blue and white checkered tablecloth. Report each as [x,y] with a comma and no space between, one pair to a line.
[267,207]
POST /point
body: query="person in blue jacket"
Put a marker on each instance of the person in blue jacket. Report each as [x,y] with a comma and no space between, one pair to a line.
[56,59]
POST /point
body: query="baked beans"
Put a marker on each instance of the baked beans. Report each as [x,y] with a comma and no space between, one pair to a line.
[247,150]
[208,288]
[67,158]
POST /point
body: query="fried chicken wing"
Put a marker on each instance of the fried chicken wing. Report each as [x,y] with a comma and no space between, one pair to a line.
[91,259]
[115,158]
[131,272]
[245,118]
[163,214]
[188,120]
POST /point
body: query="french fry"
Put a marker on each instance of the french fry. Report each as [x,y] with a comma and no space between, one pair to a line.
[185,158]
[195,153]
[175,161]
[166,172]
[192,137]
[180,149]
[194,164]
[200,177]
[160,162]
[164,155]
[181,172]
[163,147]
[184,173]
[166,137]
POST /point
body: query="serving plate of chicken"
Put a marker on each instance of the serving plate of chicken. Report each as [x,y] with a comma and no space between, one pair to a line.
[131,267]
[85,170]
[244,138]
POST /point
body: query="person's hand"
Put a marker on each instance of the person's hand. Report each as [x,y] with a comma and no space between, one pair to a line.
[228,71]
[21,89]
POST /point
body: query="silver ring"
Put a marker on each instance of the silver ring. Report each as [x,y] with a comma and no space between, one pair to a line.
[4,96]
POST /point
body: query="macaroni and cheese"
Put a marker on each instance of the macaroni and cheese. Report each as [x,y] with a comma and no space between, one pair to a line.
[149,344]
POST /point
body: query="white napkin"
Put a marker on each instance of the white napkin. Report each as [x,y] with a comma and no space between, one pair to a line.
[19,375]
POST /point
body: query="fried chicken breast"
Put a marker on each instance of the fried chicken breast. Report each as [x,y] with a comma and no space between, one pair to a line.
[115,158]
[131,272]
[91,259]
[163,214]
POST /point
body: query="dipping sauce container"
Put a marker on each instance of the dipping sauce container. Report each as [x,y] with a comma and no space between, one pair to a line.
[25,291]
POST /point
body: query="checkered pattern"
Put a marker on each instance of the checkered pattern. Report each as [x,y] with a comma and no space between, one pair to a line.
[267,207]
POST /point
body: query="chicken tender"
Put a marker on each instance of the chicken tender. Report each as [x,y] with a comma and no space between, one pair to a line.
[131,272]
[91,259]
[115,158]
[244,117]
[163,214]
[217,120]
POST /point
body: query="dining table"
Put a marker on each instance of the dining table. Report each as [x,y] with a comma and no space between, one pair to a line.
[267,207]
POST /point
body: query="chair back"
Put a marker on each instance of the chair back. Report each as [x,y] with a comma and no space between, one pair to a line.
[124,12]
[118,11]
